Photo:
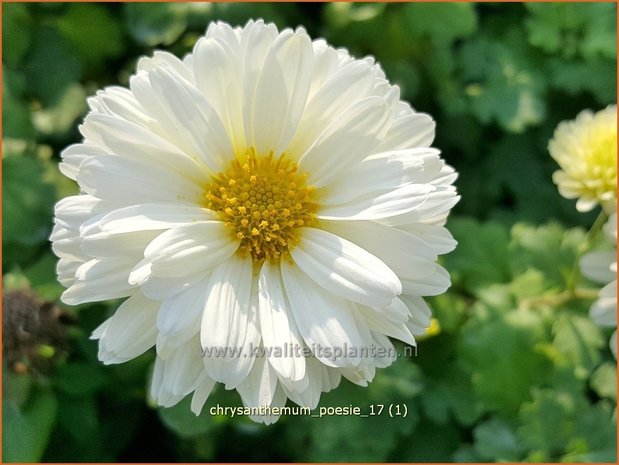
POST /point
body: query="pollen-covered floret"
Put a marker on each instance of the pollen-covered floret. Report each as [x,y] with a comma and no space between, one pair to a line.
[264,200]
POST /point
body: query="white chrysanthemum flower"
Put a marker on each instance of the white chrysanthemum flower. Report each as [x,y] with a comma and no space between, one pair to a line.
[265,191]
[586,151]
[601,266]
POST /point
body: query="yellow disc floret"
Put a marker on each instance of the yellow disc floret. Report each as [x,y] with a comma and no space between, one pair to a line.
[264,201]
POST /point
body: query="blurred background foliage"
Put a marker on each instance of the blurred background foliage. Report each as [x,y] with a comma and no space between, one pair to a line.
[514,370]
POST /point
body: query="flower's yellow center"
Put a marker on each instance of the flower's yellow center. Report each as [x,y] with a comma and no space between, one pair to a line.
[601,166]
[264,201]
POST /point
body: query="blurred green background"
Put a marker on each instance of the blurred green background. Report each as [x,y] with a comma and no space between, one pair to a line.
[516,372]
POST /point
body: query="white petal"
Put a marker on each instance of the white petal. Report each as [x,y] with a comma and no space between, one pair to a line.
[167,59]
[408,256]
[375,206]
[194,117]
[119,102]
[140,273]
[409,130]
[326,63]
[218,76]
[331,378]
[439,237]
[419,313]
[72,211]
[604,310]
[596,265]
[613,344]
[419,310]
[278,328]
[180,316]
[279,400]
[66,268]
[446,176]
[610,228]
[130,140]
[346,141]
[310,396]
[224,31]
[191,248]
[382,173]
[584,204]
[434,206]
[130,332]
[150,216]
[102,245]
[380,324]
[385,353]
[74,155]
[258,389]
[281,93]
[256,42]
[183,370]
[345,269]
[324,320]
[100,279]
[66,243]
[347,86]
[434,284]
[158,392]
[396,311]
[201,394]
[360,375]
[128,182]
[229,322]
[161,288]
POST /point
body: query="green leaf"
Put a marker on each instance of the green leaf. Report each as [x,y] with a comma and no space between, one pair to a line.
[505,83]
[557,425]
[499,335]
[443,22]
[595,436]
[345,14]
[27,201]
[239,13]
[575,76]
[466,453]
[549,249]
[573,28]
[86,24]
[16,120]
[184,423]
[16,26]
[451,398]
[604,380]
[58,118]
[496,441]
[553,27]
[431,443]
[547,423]
[156,23]
[579,340]
[51,66]
[481,255]
[396,385]
[79,416]
[80,378]
[449,309]
[27,428]
[42,277]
